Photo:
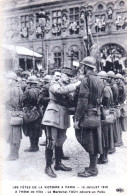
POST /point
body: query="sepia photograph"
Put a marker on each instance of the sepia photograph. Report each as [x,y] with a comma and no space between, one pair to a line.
[63,97]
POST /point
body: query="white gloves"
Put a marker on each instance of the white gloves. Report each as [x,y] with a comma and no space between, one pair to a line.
[77,84]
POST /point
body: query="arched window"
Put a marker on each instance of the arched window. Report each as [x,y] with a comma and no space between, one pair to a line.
[100,7]
[74,54]
[57,56]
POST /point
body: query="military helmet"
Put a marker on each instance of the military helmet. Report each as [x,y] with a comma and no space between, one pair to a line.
[47,78]
[89,61]
[103,74]
[111,74]
[32,79]
[119,76]
[12,75]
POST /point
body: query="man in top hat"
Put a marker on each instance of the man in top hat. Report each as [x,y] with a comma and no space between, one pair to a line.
[56,119]
[30,101]
[89,101]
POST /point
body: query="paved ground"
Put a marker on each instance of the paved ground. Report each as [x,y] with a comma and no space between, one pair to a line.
[30,166]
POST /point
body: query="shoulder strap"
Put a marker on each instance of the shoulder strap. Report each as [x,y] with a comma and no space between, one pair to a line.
[95,81]
[34,92]
[110,94]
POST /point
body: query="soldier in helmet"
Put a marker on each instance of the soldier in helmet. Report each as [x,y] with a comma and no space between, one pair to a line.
[32,129]
[89,100]
[121,99]
[56,119]
[114,87]
[121,88]
[107,104]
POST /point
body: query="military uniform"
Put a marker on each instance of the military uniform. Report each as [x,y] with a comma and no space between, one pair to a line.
[13,103]
[32,129]
[88,138]
[57,120]
[115,126]
[89,100]
[107,129]
[121,99]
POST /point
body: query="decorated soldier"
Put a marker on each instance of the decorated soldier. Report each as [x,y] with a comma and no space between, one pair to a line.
[87,120]
[56,119]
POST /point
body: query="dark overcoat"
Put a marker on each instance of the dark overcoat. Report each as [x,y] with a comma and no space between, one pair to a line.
[91,90]
[13,102]
[107,129]
[30,100]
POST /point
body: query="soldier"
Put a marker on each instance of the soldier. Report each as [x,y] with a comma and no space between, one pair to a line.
[56,119]
[32,129]
[56,77]
[107,104]
[13,104]
[43,98]
[121,99]
[89,103]
[114,87]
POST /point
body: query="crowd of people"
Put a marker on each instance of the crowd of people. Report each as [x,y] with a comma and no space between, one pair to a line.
[97,102]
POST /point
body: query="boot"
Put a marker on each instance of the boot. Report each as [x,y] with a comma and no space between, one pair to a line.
[43,144]
[63,156]
[36,147]
[48,168]
[58,155]
[103,157]
[92,169]
[30,149]
[111,151]
[13,152]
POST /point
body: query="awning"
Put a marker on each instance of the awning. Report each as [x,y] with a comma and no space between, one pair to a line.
[21,50]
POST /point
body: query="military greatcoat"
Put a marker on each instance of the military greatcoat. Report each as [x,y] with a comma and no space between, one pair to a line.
[30,100]
[90,91]
[107,129]
[13,102]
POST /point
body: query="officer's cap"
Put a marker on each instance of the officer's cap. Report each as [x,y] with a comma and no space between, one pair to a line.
[67,71]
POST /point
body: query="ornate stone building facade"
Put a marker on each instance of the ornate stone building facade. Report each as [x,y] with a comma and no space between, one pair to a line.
[57,30]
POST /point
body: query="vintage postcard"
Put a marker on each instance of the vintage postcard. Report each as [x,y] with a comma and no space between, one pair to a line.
[63,87]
